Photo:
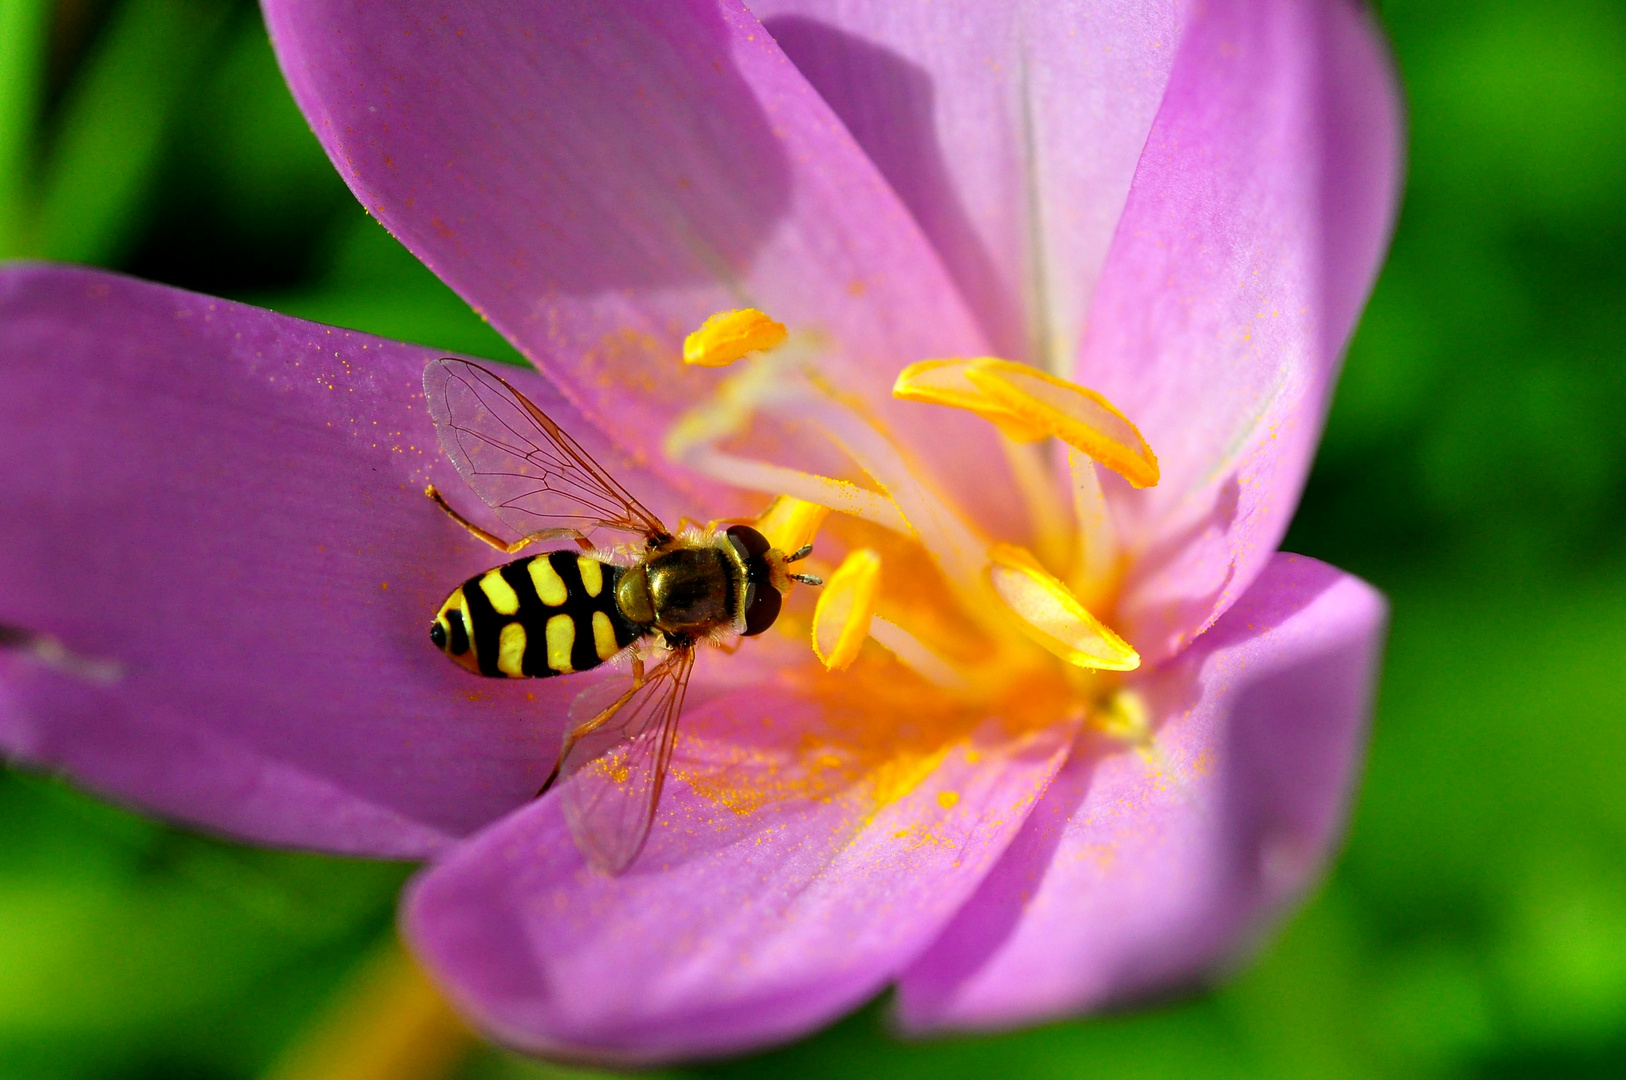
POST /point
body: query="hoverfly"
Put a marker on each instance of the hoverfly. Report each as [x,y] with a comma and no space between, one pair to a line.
[561,612]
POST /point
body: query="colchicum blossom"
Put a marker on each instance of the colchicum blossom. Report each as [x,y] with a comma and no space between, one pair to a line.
[1064,289]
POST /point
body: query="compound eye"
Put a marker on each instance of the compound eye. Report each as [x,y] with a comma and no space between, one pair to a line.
[750,542]
[762,603]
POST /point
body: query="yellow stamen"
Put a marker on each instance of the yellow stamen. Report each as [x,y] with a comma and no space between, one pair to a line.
[1097,536]
[909,652]
[946,382]
[1028,404]
[790,524]
[729,335]
[1052,616]
[846,605]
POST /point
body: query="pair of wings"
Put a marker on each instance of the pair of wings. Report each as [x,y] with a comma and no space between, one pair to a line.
[540,481]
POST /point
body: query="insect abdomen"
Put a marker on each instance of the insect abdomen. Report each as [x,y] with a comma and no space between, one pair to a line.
[542,615]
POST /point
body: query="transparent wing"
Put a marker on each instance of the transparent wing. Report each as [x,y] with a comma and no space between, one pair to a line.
[612,774]
[521,464]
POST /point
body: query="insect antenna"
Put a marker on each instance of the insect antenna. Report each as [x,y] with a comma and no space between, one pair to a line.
[807,579]
[800,553]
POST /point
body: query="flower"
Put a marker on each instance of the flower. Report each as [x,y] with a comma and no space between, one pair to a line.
[217,561]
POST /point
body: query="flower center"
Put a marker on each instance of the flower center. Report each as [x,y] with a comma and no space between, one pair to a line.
[986,625]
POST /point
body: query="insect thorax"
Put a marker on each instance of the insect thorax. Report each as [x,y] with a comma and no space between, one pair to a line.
[694,590]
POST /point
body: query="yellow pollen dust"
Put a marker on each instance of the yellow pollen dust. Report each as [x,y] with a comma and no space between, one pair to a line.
[729,335]
[1028,404]
[841,621]
[1052,616]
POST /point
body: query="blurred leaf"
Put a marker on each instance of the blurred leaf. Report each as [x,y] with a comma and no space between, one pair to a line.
[23,25]
[1300,1009]
[1432,1010]
[120,932]
[105,153]
[1193,1041]
[1561,949]
[1526,104]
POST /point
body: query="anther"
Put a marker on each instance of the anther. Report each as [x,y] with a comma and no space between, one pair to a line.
[729,335]
[841,621]
[790,524]
[1028,404]
[1052,616]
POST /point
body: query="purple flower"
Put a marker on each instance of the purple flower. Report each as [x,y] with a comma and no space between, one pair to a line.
[1093,738]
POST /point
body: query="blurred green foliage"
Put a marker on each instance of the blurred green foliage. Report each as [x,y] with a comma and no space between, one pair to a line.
[1474,467]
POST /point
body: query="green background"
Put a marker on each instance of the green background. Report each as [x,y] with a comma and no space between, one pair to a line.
[1472,468]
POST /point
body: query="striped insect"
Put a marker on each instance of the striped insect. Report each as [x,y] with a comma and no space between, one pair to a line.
[644,606]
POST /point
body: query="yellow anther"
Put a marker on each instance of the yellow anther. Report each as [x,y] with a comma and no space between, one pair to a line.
[1052,616]
[729,335]
[945,382]
[841,621]
[1028,404]
[790,524]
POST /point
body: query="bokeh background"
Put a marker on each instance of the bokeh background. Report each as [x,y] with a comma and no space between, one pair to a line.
[1474,468]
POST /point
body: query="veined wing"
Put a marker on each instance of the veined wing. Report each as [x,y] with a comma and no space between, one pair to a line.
[521,464]
[611,776]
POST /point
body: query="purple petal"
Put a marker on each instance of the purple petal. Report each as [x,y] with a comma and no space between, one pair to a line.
[777,889]
[1139,874]
[228,504]
[1254,227]
[1011,131]
[597,178]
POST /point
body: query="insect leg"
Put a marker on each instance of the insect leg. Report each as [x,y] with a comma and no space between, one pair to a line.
[501,545]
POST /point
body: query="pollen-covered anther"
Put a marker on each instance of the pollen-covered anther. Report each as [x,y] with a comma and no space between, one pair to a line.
[841,621]
[1052,616]
[1028,404]
[729,335]
[791,524]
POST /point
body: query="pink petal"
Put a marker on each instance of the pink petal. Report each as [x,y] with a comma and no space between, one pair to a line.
[774,893]
[1011,131]
[597,178]
[1136,876]
[1255,224]
[229,504]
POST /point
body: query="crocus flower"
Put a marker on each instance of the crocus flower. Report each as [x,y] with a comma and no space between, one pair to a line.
[1081,740]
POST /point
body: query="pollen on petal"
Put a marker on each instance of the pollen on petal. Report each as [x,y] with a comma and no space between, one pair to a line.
[846,606]
[1052,616]
[729,335]
[1028,404]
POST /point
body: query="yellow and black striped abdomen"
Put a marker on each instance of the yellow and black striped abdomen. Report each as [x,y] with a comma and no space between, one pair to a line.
[541,615]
